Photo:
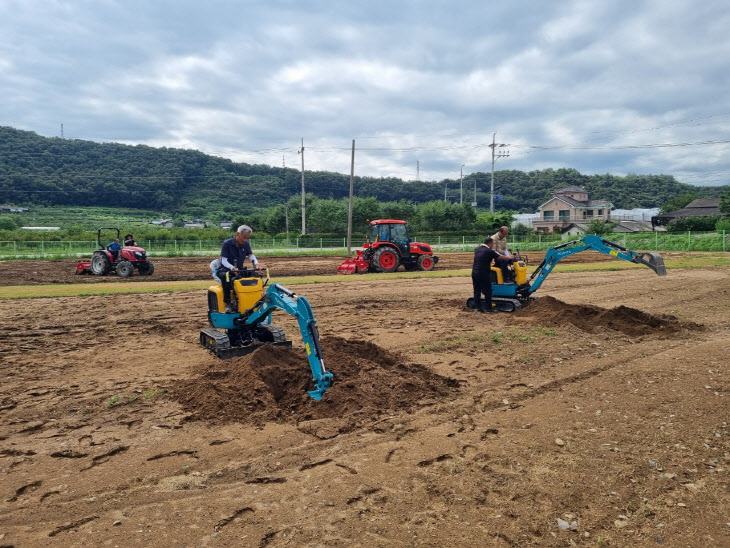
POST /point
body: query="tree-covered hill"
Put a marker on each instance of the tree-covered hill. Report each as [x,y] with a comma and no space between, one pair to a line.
[36,170]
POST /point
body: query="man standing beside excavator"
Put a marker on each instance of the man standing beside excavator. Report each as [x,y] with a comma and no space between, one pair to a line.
[233,254]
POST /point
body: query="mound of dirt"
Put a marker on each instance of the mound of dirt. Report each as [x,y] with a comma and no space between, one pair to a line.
[271,384]
[550,311]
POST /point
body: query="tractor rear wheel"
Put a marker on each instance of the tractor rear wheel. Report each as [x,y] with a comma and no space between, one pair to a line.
[385,259]
[425,262]
[125,268]
[100,264]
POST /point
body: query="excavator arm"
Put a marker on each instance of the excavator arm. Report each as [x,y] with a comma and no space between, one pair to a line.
[279,297]
[596,243]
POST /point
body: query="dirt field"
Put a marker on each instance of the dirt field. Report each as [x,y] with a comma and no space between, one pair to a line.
[63,271]
[597,416]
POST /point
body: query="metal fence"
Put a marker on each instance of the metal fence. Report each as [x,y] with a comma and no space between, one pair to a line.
[648,241]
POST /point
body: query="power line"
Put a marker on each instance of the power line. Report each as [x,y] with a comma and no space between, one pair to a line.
[624,147]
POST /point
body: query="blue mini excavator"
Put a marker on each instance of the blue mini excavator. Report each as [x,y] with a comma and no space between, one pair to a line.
[511,295]
[250,326]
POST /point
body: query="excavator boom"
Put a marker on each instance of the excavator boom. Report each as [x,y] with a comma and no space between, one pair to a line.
[279,297]
[596,243]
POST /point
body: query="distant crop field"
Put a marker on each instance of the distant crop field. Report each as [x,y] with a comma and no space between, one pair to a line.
[85,217]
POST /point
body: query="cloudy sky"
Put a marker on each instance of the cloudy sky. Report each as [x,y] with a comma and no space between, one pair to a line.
[602,86]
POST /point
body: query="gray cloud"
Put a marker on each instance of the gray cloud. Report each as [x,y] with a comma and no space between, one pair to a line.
[426,82]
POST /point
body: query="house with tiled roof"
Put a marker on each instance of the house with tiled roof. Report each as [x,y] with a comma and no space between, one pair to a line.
[568,206]
[704,207]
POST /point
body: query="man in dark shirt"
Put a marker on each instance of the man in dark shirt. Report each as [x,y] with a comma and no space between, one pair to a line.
[481,275]
[233,253]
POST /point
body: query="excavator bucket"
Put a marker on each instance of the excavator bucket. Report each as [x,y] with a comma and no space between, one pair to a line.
[353,265]
[654,261]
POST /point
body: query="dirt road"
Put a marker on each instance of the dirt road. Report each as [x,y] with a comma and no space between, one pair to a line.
[598,416]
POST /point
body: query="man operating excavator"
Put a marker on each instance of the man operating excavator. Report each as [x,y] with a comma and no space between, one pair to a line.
[233,254]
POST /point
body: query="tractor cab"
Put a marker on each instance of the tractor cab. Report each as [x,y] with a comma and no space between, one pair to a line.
[395,232]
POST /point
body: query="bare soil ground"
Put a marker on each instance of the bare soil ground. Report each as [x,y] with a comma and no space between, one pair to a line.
[597,416]
[63,271]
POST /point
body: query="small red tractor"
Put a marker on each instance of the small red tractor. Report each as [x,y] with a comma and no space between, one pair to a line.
[387,247]
[122,263]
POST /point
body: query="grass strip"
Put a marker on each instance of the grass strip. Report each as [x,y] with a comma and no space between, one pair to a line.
[112,288]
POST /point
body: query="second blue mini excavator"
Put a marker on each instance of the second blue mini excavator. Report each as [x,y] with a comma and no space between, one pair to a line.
[512,294]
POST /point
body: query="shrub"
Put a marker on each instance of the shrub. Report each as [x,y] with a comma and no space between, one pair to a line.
[694,224]
[723,224]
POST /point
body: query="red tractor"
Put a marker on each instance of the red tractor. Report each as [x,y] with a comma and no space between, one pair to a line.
[123,262]
[387,247]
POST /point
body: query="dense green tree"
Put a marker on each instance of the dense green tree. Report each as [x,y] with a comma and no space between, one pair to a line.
[522,230]
[489,223]
[723,224]
[8,223]
[725,203]
[363,211]
[678,202]
[43,171]
[329,216]
[599,227]
[398,210]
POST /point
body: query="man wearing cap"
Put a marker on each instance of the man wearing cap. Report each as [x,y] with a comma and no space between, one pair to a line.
[233,254]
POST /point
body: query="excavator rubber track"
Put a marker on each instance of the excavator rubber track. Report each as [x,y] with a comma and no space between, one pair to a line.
[504,304]
[219,343]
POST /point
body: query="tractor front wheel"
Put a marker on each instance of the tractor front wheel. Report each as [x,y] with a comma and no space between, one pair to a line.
[425,262]
[385,260]
[125,269]
[100,264]
[146,269]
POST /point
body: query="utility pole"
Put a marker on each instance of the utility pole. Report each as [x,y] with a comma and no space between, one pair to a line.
[494,146]
[304,207]
[418,170]
[352,192]
[283,161]
[461,184]
[446,188]
[62,137]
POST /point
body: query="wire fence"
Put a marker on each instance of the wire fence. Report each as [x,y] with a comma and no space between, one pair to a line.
[642,241]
